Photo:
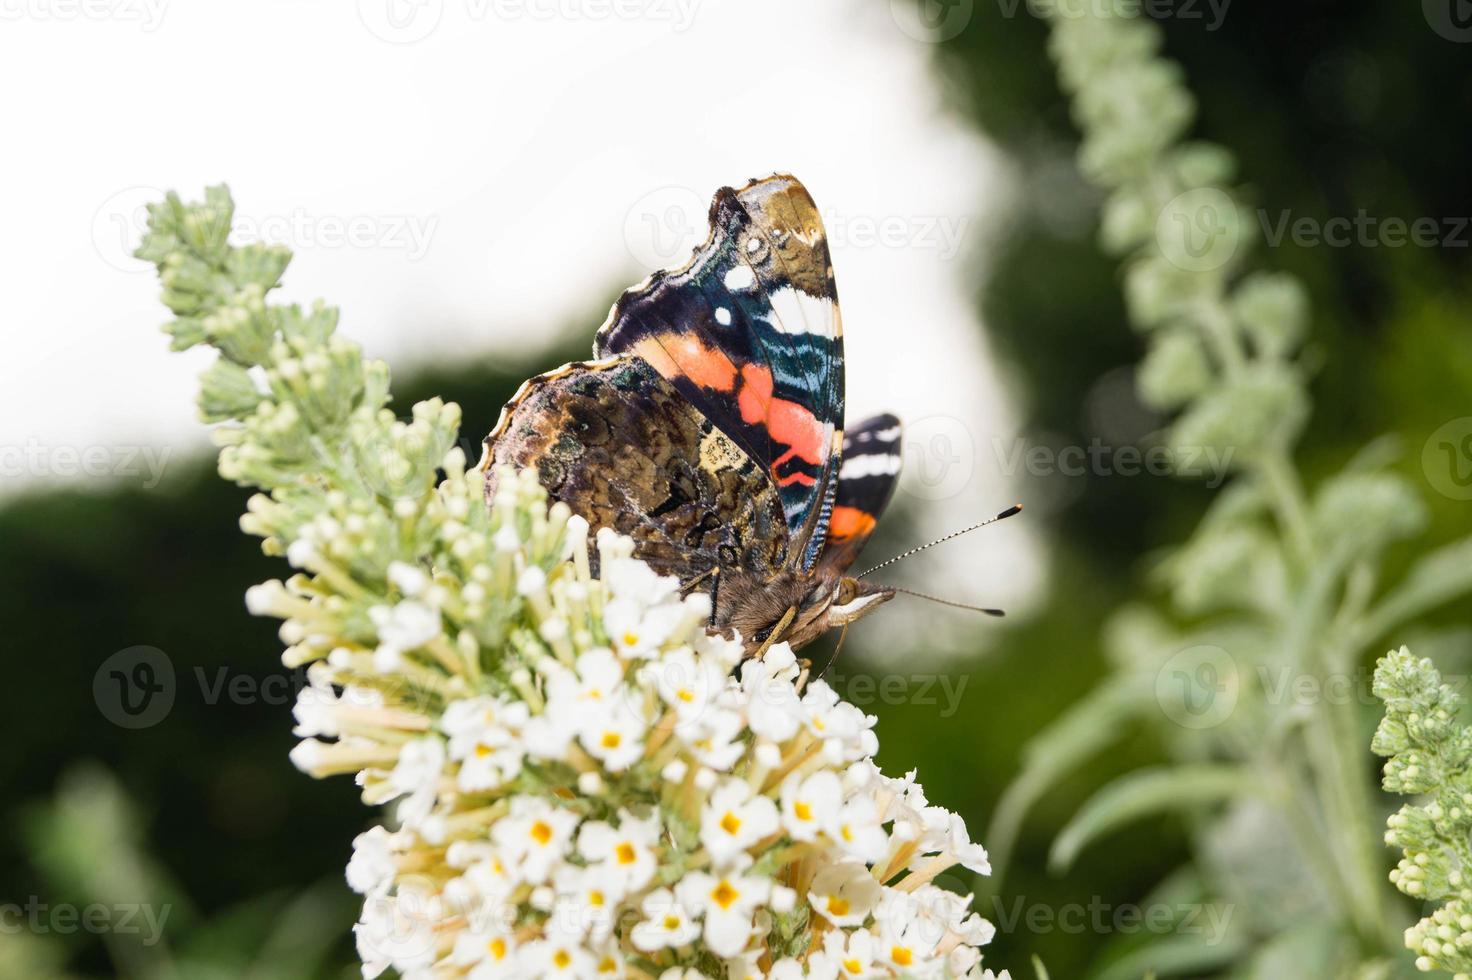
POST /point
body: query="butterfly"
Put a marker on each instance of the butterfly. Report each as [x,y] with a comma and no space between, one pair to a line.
[709,427]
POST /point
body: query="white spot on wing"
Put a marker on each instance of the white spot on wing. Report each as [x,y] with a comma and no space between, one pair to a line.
[740,277]
[795,312]
[723,316]
[875,464]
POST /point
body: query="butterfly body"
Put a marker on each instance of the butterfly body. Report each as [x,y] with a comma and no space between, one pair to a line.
[710,426]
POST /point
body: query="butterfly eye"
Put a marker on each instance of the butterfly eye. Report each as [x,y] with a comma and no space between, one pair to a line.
[848,590]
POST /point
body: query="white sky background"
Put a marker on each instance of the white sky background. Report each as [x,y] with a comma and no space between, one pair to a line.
[498,166]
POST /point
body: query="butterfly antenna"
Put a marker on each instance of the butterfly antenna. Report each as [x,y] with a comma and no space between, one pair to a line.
[947,602]
[1015,508]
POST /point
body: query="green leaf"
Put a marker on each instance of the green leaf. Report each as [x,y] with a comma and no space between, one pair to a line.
[1142,793]
[1436,578]
[1174,956]
[1085,729]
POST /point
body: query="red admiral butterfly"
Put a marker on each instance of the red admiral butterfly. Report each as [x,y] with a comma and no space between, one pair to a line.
[710,427]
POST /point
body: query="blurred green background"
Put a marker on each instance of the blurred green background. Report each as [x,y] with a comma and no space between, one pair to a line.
[1332,108]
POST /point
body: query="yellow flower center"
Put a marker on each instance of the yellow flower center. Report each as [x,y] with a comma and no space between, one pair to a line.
[481,751]
[724,895]
[607,965]
[852,966]
[802,810]
[902,956]
[561,959]
[497,948]
[611,740]
[837,906]
[730,823]
[685,694]
[541,833]
[625,853]
[595,899]
[630,638]
[672,922]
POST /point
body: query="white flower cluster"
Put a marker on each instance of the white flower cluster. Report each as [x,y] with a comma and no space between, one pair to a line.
[602,796]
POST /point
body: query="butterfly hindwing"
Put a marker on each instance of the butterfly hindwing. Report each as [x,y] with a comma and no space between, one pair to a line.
[619,445]
[749,332]
[866,482]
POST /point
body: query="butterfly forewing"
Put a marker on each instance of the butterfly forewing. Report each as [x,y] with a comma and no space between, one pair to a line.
[750,333]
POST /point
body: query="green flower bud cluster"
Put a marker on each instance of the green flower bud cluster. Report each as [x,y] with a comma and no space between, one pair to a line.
[1219,345]
[1430,756]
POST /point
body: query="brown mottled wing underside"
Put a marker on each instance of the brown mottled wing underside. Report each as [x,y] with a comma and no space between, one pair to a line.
[623,448]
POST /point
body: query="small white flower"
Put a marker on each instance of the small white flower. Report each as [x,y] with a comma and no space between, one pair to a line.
[807,802]
[587,901]
[633,580]
[627,850]
[855,829]
[408,579]
[715,740]
[844,893]
[483,738]
[734,819]
[726,903]
[555,957]
[637,632]
[666,923]
[614,734]
[687,682]
[852,952]
[398,931]
[372,867]
[404,626]
[533,837]
[773,708]
[488,950]
[907,944]
[417,773]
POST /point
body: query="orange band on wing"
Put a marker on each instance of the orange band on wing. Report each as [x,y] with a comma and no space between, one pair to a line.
[850,522]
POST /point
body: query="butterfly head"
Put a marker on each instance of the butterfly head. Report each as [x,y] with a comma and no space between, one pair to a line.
[852,599]
[800,607]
